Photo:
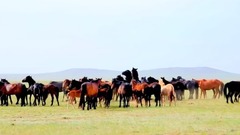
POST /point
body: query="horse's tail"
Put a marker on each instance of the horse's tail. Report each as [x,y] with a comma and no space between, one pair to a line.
[83,92]
[222,87]
[225,89]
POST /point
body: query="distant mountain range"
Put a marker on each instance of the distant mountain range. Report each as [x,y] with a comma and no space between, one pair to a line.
[168,73]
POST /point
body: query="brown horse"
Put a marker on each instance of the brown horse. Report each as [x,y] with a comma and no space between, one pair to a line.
[211,84]
[72,95]
[52,90]
[90,90]
[168,91]
[17,89]
[65,88]
[138,90]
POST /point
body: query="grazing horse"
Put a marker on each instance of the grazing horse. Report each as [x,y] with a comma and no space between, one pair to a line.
[35,89]
[168,91]
[90,90]
[178,87]
[65,86]
[124,92]
[211,84]
[230,89]
[17,89]
[135,74]
[52,90]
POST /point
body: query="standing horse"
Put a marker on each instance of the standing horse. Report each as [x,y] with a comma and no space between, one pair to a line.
[10,98]
[190,85]
[230,89]
[35,89]
[65,86]
[52,90]
[128,75]
[168,91]
[155,89]
[125,92]
[116,82]
[90,90]
[17,89]
[212,84]
[72,95]
[178,87]
[138,91]
[135,74]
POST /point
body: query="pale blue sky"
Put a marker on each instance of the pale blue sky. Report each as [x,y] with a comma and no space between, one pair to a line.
[54,35]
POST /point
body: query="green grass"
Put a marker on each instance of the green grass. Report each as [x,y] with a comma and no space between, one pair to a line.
[203,116]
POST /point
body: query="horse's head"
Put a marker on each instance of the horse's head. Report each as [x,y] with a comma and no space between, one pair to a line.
[5,81]
[28,79]
[84,79]
[72,84]
[151,80]
[126,73]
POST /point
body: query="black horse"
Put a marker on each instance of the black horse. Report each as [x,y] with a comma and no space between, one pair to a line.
[128,75]
[230,89]
[178,87]
[191,85]
[35,89]
[135,74]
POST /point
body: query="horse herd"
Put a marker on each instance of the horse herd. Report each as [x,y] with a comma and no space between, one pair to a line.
[129,87]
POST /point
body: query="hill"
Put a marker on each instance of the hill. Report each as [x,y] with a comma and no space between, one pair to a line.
[168,73]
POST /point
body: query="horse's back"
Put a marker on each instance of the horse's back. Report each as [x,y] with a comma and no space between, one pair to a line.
[167,88]
[91,89]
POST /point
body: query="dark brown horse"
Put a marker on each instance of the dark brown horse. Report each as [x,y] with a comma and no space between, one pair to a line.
[17,89]
[65,88]
[52,90]
[90,90]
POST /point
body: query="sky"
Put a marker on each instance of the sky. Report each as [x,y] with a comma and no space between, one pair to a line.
[55,35]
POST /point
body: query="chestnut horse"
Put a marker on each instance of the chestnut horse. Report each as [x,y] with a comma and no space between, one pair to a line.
[168,91]
[90,90]
[17,89]
[65,88]
[72,95]
[211,84]
[138,91]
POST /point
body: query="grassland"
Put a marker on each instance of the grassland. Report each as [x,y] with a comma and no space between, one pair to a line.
[202,116]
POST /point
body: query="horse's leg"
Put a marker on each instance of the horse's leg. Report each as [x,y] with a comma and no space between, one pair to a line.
[52,99]
[34,101]
[196,93]
[30,101]
[191,92]
[57,96]
[120,100]
[10,98]
[231,95]
[6,100]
